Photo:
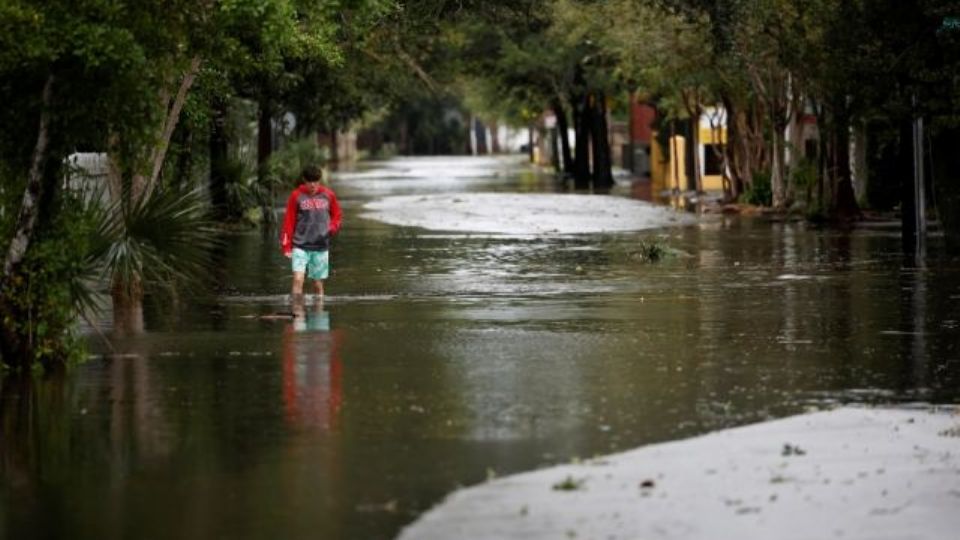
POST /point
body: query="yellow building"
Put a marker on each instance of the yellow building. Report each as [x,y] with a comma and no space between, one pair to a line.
[669,166]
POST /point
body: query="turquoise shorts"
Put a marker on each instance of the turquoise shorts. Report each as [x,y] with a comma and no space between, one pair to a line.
[316,264]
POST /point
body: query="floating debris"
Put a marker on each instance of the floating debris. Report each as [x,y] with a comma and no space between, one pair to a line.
[792,450]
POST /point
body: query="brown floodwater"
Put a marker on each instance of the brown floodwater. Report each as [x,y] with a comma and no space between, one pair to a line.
[439,360]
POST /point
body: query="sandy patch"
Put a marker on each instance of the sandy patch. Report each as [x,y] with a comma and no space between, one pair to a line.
[849,473]
[533,213]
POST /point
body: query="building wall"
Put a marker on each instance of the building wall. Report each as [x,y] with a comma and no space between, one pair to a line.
[710,136]
[619,143]
[642,117]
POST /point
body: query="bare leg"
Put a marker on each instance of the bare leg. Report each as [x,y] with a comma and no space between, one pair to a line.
[319,285]
[296,290]
[299,308]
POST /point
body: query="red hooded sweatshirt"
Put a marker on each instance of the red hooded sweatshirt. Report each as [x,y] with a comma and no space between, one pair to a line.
[310,220]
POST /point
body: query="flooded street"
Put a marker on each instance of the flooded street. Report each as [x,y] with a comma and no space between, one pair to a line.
[443,358]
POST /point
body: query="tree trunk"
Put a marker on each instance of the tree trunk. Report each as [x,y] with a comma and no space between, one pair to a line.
[480,135]
[793,143]
[27,217]
[127,307]
[776,169]
[183,168]
[264,131]
[779,120]
[695,150]
[218,158]
[562,129]
[602,167]
[494,138]
[757,142]
[945,173]
[581,130]
[335,148]
[16,346]
[731,183]
[691,102]
[859,161]
[845,207]
[142,184]
[472,136]
[736,156]
[264,151]
[908,200]
[555,152]
[823,170]
[531,140]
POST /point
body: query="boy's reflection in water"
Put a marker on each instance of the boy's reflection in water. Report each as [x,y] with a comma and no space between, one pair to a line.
[312,371]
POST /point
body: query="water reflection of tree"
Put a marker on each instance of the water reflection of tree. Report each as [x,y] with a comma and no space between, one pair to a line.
[20,427]
[913,316]
[135,418]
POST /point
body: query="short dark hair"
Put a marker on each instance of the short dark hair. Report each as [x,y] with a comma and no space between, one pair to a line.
[312,173]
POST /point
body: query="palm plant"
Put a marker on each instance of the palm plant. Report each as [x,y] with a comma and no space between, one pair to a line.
[243,190]
[160,239]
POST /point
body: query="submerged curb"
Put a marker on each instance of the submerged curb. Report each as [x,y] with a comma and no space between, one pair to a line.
[851,473]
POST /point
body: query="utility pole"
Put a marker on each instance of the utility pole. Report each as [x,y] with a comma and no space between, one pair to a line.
[919,196]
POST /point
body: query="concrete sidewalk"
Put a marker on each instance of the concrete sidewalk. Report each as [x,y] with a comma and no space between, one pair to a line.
[524,213]
[850,473]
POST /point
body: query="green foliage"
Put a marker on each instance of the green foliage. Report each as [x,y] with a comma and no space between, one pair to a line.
[244,189]
[286,164]
[116,68]
[429,132]
[569,484]
[651,250]
[354,61]
[816,213]
[10,195]
[161,239]
[803,174]
[759,191]
[40,301]
[645,250]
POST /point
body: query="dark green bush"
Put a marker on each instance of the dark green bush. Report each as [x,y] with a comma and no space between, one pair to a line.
[759,191]
[39,300]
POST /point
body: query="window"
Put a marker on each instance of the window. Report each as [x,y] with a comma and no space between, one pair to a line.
[712,159]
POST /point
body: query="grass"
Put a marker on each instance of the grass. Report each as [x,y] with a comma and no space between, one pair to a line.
[569,484]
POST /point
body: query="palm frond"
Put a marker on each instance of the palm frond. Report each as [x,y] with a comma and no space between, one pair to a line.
[161,238]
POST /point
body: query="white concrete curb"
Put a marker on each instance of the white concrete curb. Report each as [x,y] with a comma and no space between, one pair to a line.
[850,473]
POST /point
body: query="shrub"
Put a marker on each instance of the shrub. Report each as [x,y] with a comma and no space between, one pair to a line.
[759,191]
[39,301]
[286,164]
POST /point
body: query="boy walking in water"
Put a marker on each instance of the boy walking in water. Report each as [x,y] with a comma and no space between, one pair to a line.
[312,217]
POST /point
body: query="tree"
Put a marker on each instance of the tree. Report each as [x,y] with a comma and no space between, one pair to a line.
[60,66]
[534,56]
[108,77]
[666,56]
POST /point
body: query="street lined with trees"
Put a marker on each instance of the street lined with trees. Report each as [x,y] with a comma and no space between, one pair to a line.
[167,89]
